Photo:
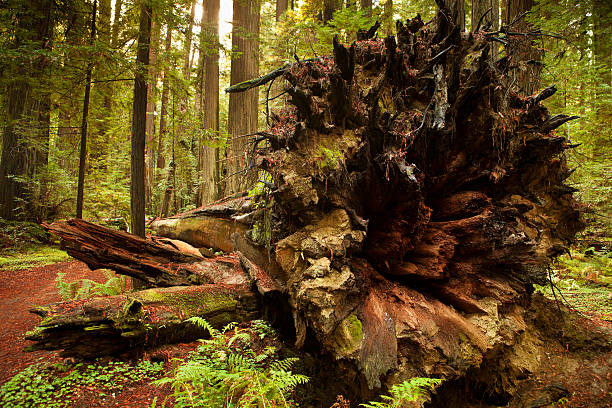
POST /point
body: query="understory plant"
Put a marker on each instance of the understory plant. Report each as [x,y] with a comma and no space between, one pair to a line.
[86,288]
[413,390]
[227,371]
[53,385]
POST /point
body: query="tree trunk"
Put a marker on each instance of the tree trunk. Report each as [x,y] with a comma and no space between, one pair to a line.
[485,15]
[130,323]
[367,6]
[208,152]
[524,58]
[243,108]
[139,118]
[329,7]
[150,121]
[26,134]
[116,22]
[281,8]
[83,150]
[163,115]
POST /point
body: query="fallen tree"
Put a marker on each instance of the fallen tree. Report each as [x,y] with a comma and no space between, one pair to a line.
[414,200]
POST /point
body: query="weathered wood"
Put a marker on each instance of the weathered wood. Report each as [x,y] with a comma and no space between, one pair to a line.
[132,322]
[157,262]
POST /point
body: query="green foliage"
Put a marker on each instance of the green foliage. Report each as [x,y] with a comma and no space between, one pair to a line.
[329,159]
[583,281]
[16,235]
[415,389]
[52,386]
[226,371]
[32,256]
[87,288]
[578,66]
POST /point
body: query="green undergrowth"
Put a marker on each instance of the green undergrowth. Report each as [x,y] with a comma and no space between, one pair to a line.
[53,385]
[87,288]
[583,281]
[416,389]
[32,256]
[235,367]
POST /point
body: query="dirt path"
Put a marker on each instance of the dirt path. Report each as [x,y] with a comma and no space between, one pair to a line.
[19,291]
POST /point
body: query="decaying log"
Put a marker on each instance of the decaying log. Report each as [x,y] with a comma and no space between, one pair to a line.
[209,227]
[157,262]
[117,324]
[415,200]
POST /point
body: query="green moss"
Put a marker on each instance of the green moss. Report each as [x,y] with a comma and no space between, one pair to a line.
[348,335]
[36,255]
[190,303]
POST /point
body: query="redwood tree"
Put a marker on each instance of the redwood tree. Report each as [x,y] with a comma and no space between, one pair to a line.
[26,134]
[209,60]
[139,117]
[242,115]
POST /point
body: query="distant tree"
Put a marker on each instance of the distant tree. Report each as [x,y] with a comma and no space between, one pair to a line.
[281,8]
[25,136]
[524,57]
[243,106]
[83,150]
[139,118]
[208,154]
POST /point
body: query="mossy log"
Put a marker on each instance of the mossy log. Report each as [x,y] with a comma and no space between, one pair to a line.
[130,323]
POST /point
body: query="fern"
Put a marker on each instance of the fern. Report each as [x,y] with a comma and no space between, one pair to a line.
[225,372]
[87,288]
[415,389]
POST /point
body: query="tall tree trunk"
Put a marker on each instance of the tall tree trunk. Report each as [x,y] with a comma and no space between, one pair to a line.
[188,41]
[602,32]
[482,17]
[387,17]
[281,8]
[83,151]
[99,147]
[116,22]
[150,122]
[329,7]
[208,154]
[26,134]
[523,56]
[163,114]
[139,117]
[367,6]
[243,107]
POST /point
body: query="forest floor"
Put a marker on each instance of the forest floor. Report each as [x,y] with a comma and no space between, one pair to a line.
[588,380]
[22,289]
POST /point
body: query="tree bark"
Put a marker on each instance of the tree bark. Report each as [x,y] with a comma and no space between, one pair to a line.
[524,58]
[281,8]
[116,22]
[139,117]
[130,323]
[83,150]
[208,153]
[243,108]
[163,115]
[26,134]
[329,7]
[367,6]
[150,121]
[485,15]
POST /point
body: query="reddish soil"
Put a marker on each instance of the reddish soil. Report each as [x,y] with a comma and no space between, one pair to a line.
[22,289]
